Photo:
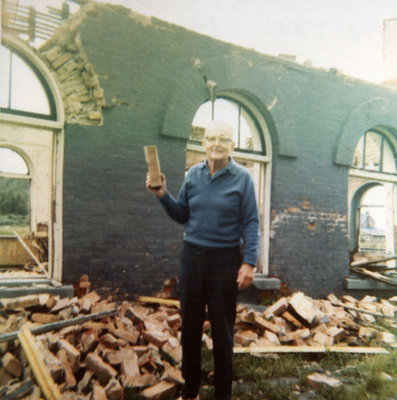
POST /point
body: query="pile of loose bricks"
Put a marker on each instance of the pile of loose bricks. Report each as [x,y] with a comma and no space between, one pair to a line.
[137,348]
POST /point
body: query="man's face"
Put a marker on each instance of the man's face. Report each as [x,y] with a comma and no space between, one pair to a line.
[218,144]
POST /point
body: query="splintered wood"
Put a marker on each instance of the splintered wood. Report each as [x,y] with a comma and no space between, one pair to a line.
[95,348]
[376,269]
[153,163]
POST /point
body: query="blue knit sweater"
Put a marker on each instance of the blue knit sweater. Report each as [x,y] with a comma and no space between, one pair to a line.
[219,210]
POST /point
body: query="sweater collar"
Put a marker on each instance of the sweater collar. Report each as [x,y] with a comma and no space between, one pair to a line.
[231,167]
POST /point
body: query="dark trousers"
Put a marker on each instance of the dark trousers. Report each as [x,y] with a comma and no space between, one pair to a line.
[208,279]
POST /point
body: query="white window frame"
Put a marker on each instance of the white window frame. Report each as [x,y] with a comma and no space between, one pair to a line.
[383,178]
[56,129]
[262,180]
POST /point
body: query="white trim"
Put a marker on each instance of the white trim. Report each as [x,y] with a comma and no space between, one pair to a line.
[376,176]
[55,254]
[30,121]
[266,222]
[59,144]
[21,46]
[388,181]
[14,176]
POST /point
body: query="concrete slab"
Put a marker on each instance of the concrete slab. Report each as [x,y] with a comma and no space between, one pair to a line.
[366,284]
[263,282]
[12,282]
[18,291]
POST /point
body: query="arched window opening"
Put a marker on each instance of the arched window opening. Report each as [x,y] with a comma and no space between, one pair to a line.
[14,193]
[372,221]
[31,166]
[374,152]
[373,196]
[250,136]
[247,134]
[24,91]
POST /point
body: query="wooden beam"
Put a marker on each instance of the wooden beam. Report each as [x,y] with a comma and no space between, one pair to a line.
[310,349]
[36,361]
[375,275]
[26,247]
[58,324]
[159,300]
[365,311]
[369,262]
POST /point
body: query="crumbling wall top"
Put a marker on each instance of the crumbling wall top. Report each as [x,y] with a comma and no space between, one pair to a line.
[83,97]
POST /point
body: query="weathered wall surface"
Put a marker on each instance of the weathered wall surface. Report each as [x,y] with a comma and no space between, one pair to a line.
[117,232]
[113,229]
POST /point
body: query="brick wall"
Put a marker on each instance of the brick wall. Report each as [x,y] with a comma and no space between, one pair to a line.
[115,230]
[118,233]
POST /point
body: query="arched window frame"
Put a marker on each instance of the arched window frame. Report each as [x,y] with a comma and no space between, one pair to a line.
[369,178]
[356,202]
[240,107]
[384,141]
[51,101]
[31,119]
[55,128]
[263,160]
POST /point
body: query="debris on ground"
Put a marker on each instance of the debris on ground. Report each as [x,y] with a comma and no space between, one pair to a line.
[301,321]
[99,348]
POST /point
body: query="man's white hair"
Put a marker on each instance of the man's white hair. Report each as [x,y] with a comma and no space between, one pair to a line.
[219,127]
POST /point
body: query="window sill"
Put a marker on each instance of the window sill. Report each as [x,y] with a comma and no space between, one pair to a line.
[263,282]
[27,287]
[353,283]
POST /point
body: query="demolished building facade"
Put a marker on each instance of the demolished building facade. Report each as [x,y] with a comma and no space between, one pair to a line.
[317,142]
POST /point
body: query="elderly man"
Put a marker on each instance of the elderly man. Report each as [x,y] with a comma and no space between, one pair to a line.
[217,206]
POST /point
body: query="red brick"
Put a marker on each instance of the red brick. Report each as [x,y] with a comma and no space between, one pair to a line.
[102,371]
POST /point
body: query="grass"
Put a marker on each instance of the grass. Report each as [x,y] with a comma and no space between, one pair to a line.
[284,377]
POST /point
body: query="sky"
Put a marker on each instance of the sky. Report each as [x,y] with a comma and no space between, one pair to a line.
[342,34]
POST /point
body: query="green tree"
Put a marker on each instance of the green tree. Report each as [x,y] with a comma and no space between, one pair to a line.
[14,196]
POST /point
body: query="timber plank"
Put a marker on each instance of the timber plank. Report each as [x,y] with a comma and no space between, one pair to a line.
[311,349]
[39,368]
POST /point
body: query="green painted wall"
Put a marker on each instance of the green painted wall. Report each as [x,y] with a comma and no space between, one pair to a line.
[153,76]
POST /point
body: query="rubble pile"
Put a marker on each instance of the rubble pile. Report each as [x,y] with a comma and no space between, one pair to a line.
[302,321]
[97,348]
[135,349]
